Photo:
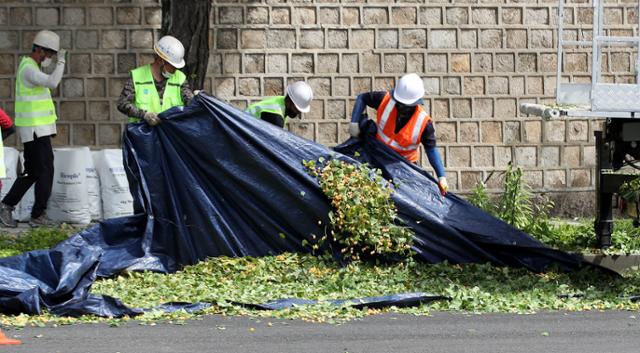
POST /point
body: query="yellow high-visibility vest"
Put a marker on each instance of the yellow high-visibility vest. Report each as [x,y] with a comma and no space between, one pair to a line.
[147,97]
[274,105]
[34,106]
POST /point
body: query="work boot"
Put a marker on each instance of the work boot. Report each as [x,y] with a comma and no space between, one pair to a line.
[6,216]
[41,221]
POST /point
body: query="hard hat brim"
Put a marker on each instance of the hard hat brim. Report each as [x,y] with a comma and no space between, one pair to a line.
[177,65]
[406,101]
[301,109]
[47,48]
[43,46]
[305,110]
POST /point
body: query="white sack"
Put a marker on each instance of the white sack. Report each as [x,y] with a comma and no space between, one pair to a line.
[114,186]
[93,188]
[11,160]
[22,212]
[69,201]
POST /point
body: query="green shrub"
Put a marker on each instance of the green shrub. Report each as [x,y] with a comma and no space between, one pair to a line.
[480,197]
[630,190]
[517,205]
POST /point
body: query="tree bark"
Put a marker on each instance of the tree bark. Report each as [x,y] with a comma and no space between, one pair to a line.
[189,22]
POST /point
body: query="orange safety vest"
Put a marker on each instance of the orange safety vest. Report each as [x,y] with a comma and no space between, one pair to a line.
[407,140]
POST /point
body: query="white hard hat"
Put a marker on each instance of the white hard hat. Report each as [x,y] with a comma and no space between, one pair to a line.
[409,90]
[171,50]
[301,95]
[48,40]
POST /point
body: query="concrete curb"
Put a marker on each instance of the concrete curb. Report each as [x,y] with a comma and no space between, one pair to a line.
[22,227]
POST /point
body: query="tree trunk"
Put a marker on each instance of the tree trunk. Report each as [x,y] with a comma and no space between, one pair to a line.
[189,22]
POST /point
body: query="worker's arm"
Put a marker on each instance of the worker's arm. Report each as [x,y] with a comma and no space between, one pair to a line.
[5,120]
[36,78]
[434,159]
[364,100]
[6,124]
[369,99]
[186,92]
[428,140]
[274,119]
[126,101]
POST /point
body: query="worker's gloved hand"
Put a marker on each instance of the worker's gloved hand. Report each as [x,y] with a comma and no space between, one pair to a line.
[354,129]
[151,118]
[196,92]
[62,56]
[442,184]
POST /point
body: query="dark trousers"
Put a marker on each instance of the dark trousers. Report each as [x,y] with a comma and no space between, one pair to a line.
[38,169]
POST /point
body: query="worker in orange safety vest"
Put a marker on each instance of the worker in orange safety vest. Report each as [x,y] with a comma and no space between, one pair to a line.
[402,122]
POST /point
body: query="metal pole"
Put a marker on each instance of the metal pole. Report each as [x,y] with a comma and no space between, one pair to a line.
[638,46]
[604,200]
[595,57]
[560,45]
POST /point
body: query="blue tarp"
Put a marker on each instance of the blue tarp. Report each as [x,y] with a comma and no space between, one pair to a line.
[398,300]
[451,228]
[214,181]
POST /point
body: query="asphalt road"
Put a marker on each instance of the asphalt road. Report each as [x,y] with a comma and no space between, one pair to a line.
[611,331]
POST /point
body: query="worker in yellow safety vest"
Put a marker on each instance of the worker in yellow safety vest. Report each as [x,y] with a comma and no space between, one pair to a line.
[156,87]
[35,119]
[152,89]
[276,110]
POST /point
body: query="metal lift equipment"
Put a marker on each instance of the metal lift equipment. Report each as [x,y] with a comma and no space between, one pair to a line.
[618,145]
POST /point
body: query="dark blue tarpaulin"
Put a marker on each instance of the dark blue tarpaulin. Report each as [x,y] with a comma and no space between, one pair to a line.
[214,181]
[450,228]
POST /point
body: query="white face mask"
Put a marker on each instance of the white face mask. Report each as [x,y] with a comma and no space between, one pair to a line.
[166,74]
[46,62]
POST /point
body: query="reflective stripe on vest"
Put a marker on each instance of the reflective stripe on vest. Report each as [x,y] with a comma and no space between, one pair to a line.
[34,106]
[274,105]
[146,94]
[407,141]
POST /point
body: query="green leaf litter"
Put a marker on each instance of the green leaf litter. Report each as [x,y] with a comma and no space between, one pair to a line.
[473,288]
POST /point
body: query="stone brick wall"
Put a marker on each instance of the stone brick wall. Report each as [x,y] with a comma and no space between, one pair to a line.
[479,60]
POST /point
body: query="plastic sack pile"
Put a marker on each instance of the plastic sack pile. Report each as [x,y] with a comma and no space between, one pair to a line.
[86,185]
[213,181]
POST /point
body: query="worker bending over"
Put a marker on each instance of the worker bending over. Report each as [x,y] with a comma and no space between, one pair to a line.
[276,110]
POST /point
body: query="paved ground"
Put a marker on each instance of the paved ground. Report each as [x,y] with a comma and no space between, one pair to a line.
[442,332]
[599,332]
[22,227]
